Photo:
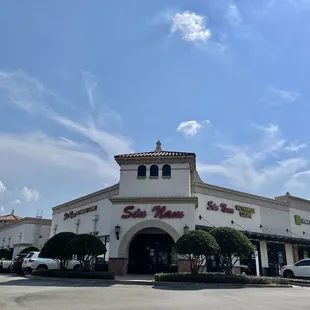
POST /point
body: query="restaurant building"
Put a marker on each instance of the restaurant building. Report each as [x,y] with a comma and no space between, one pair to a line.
[160,196]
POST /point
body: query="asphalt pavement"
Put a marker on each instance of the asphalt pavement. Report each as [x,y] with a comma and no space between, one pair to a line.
[22,293]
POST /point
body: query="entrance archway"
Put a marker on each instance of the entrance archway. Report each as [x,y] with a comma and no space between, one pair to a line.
[152,251]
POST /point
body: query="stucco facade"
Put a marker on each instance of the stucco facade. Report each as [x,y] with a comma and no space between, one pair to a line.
[23,233]
[161,193]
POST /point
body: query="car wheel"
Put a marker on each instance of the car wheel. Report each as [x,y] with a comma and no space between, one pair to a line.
[42,267]
[288,274]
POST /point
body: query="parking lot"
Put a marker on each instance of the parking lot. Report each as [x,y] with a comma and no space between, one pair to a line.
[22,293]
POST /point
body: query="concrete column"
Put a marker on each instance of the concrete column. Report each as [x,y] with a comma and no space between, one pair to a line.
[118,266]
[295,253]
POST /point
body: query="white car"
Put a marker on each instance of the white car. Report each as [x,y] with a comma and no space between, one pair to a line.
[5,264]
[32,261]
[299,270]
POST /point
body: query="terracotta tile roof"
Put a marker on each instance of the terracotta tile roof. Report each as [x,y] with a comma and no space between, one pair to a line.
[10,217]
[155,154]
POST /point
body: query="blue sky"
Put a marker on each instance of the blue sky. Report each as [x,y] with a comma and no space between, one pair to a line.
[81,81]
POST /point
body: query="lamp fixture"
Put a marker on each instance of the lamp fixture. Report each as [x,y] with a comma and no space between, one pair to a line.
[186,229]
[117,231]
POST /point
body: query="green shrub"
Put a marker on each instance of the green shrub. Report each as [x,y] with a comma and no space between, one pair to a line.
[234,245]
[58,273]
[195,246]
[217,278]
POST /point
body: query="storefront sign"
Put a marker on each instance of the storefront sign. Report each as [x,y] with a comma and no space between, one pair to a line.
[73,214]
[299,220]
[160,212]
[223,207]
[245,211]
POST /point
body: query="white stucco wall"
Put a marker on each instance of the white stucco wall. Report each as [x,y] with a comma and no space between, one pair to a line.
[23,235]
[289,254]
[275,221]
[125,224]
[104,213]
[177,185]
[299,229]
[264,254]
[218,218]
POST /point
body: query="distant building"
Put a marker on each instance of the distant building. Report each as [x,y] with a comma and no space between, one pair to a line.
[17,233]
[10,218]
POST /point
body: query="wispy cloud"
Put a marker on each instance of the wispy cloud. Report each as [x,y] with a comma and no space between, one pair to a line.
[27,93]
[234,15]
[191,26]
[295,147]
[30,194]
[275,96]
[2,209]
[251,168]
[2,188]
[191,128]
[91,83]
[16,202]
[92,149]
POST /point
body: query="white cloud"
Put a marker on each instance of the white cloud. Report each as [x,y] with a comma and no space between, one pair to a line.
[16,202]
[275,96]
[2,209]
[38,150]
[2,188]
[27,93]
[252,168]
[234,15]
[191,128]
[30,194]
[91,83]
[191,26]
[295,147]
[109,143]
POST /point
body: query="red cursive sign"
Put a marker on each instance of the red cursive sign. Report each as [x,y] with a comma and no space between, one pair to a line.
[160,212]
[223,207]
[128,212]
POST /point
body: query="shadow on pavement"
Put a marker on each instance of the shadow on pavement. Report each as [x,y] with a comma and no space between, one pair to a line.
[24,281]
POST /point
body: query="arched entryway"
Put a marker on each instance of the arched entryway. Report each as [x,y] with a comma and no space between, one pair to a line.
[152,251]
[152,230]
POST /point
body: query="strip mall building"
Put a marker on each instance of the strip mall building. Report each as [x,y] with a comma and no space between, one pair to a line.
[160,196]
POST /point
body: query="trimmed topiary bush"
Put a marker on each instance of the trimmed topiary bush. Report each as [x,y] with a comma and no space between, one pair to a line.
[217,278]
[195,246]
[57,273]
[87,247]
[234,245]
[55,248]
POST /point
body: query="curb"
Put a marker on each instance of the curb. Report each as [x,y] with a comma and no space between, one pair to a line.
[163,284]
[101,281]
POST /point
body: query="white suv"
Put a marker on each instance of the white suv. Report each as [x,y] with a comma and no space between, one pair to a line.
[299,270]
[33,261]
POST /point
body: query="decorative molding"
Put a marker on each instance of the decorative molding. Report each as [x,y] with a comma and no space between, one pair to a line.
[129,235]
[88,199]
[158,160]
[162,200]
[221,192]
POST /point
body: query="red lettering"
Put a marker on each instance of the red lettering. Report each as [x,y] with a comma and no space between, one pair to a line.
[135,214]
[160,212]
[225,209]
[212,206]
